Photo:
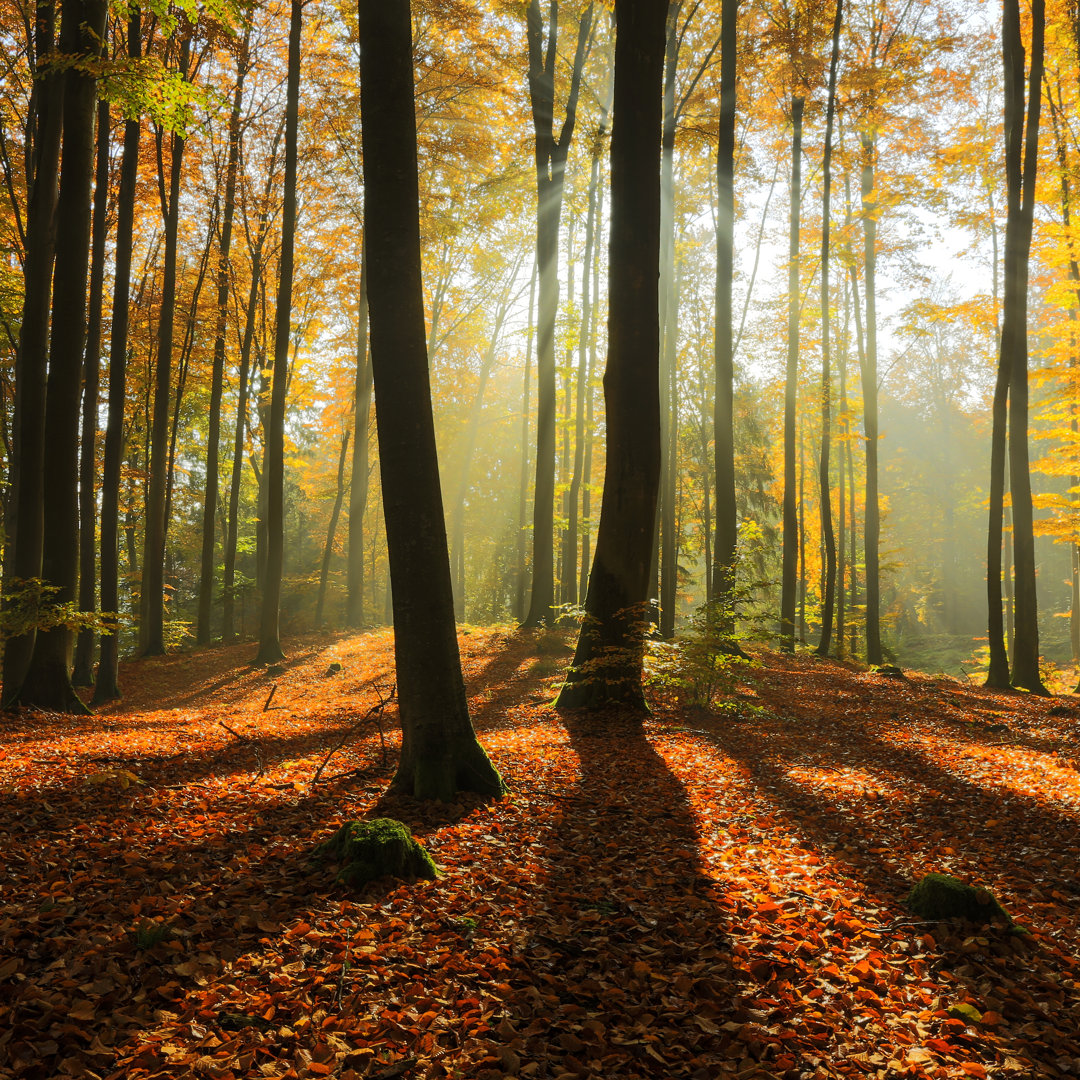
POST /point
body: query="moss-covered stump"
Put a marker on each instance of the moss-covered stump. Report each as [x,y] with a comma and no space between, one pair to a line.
[939,896]
[383,847]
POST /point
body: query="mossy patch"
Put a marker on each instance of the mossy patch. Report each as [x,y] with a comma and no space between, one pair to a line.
[939,896]
[382,847]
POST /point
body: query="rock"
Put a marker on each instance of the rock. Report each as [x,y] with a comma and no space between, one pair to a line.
[382,847]
[939,896]
[890,671]
[333,669]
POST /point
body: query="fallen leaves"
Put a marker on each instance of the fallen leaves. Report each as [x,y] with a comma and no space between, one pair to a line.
[696,898]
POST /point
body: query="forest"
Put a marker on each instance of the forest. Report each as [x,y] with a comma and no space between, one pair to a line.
[539,539]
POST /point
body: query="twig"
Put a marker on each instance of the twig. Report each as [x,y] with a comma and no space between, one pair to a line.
[270,697]
[253,743]
[374,714]
[344,969]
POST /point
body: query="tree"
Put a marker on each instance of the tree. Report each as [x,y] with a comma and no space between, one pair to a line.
[270,651]
[606,669]
[440,753]
[550,154]
[1021,165]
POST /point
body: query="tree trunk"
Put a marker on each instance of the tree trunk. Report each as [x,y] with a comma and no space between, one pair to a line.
[152,624]
[1021,163]
[270,651]
[217,379]
[331,530]
[871,517]
[440,754]
[669,425]
[47,682]
[827,534]
[523,484]
[106,686]
[31,362]
[83,670]
[791,526]
[606,669]
[723,405]
[358,489]
[550,155]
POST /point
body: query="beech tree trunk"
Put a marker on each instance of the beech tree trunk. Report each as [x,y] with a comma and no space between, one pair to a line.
[83,670]
[331,530]
[440,754]
[606,669]
[550,155]
[106,686]
[47,682]
[217,378]
[270,651]
[828,536]
[791,525]
[358,489]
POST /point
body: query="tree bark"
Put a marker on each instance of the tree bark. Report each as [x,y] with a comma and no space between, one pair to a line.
[83,669]
[791,525]
[606,669]
[217,378]
[47,682]
[550,156]
[440,754]
[331,530]
[828,536]
[106,686]
[358,489]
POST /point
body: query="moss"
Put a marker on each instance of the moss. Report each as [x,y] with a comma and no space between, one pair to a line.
[382,847]
[939,896]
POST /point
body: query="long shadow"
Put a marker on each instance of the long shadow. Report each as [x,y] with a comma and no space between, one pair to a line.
[884,842]
[626,968]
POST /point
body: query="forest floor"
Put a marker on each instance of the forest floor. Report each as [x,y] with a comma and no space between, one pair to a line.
[709,895]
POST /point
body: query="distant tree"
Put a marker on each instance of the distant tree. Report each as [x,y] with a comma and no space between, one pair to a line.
[607,662]
[269,634]
[440,753]
[1021,166]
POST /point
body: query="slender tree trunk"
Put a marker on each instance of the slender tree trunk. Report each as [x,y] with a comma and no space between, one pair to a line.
[827,534]
[523,484]
[217,380]
[440,754]
[841,502]
[269,635]
[331,531]
[791,525]
[871,518]
[1021,163]
[31,362]
[83,671]
[668,335]
[152,625]
[606,669]
[550,154]
[47,682]
[358,490]
[106,686]
[724,413]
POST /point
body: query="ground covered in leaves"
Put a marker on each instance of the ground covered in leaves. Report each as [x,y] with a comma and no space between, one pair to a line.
[704,896]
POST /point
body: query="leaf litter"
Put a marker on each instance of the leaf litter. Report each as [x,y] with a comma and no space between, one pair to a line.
[699,896]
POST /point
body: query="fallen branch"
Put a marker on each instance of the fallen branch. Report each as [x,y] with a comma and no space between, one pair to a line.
[253,743]
[373,715]
[270,697]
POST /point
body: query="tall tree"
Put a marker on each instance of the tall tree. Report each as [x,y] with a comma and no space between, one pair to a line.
[607,662]
[439,752]
[827,533]
[269,633]
[550,155]
[106,685]
[1021,165]
[358,488]
[152,623]
[47,682]
[217,379]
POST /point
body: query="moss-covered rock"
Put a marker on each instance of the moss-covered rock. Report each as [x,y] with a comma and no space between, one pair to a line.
[382,847]
[939,896]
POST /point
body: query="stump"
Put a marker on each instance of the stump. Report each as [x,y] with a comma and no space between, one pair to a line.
[383,847]
[939,896]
